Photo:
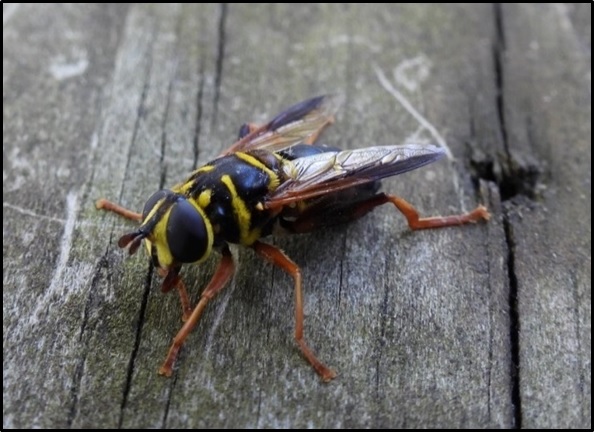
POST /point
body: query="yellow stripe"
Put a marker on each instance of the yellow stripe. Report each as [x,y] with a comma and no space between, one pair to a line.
[242,214]
[183,188]
[274,180]
[153,210]
[203,169]
[204,198]
[159,238]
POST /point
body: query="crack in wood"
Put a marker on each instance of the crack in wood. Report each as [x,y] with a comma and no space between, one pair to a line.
[198,127]
[135,349]
[508,187]
[220,58]
[514,315]
[102,264]
[141,315]
[513,175]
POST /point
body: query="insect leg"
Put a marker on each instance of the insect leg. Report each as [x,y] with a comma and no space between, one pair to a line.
[319,216]
[103,204]
[415,222]
[278,258]
[218,281]
[181,289]
[184,299]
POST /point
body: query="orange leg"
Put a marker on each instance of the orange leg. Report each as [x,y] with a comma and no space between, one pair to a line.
[415,222]
[184,299]
[103,204]
[179,284]
[318,217]
[278,258]
[218,281]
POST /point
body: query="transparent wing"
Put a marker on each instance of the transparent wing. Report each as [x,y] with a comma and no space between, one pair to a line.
[324,173]
[293,126]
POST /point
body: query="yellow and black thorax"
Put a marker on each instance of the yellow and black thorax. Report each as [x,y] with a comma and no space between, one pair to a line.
[230,191]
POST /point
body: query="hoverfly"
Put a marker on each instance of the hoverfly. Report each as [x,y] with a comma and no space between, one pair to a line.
[274,177]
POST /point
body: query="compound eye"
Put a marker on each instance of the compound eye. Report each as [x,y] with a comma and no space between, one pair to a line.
[187,236]
[153,200]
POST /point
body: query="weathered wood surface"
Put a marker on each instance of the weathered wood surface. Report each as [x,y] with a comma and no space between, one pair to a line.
[480,326]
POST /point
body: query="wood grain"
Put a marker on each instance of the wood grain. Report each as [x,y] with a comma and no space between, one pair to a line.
[480,326]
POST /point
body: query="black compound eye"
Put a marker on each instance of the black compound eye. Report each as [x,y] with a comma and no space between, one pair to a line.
[153,200]
[187,236]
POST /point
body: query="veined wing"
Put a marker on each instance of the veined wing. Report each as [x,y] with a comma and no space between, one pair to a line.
[293,126]
[324,173]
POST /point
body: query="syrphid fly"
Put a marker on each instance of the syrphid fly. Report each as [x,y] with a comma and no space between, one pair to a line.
[274,177]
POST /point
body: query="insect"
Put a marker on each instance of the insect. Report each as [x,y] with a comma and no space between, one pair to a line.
[274,177]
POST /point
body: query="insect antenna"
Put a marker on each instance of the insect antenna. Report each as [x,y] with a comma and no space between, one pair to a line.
[133,239]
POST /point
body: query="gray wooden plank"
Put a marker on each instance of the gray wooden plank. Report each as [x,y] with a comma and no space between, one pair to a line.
[408,359]
[265,378]
[57,61]
[416,324]
[145,77]
[547,98]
